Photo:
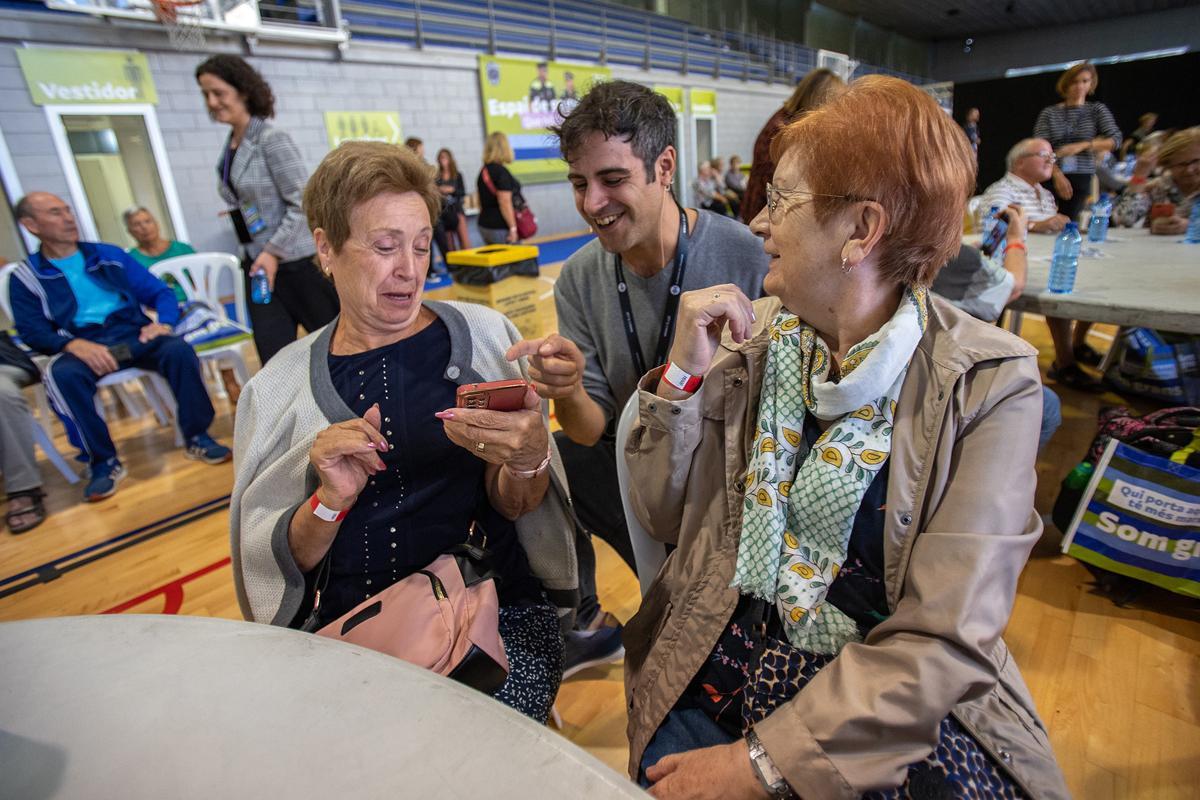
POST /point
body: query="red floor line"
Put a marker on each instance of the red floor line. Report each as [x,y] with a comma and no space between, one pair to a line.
[172,591]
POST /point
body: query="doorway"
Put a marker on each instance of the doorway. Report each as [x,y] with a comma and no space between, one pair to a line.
[114,160]
[15,241]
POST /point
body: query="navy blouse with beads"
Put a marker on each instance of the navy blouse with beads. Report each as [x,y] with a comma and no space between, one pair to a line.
[432,489]
[858,592]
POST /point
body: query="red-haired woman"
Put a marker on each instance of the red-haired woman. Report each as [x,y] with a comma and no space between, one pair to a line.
[846,469]
[817,87]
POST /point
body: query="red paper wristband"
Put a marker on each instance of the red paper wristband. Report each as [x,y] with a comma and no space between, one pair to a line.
[322,511]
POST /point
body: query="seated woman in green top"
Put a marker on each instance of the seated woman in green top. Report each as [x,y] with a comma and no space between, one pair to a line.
[151,246]
[150,249]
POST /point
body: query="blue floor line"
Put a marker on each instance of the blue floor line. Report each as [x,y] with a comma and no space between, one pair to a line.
[562,249]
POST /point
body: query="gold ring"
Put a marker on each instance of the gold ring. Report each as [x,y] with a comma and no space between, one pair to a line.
[479,446]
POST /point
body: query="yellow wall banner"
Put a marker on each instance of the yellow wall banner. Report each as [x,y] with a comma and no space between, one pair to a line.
[369,126]
[522,98]
[704,101]
[674,95]
[90,77]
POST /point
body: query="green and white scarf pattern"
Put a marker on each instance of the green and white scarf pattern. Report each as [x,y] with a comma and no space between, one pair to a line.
[798,517]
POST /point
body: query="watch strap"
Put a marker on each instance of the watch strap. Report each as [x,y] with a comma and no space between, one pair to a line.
[764,768]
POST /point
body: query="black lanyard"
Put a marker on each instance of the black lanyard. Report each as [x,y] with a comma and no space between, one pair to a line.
[229,151]
[668,323]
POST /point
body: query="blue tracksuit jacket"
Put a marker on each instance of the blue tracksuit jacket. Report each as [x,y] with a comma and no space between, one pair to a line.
[44,306]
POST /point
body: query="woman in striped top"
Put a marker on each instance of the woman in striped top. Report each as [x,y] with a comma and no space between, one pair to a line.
[1079,130]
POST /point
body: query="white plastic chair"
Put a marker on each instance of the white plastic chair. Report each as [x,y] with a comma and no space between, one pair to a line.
[42,439]
[648,553]
[154,387]
[208,277]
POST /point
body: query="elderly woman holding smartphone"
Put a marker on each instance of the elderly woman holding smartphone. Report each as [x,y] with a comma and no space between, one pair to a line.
[847,470]
[1168,199]
[350,449]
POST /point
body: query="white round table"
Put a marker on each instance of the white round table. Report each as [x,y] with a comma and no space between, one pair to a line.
[138,706]
[1139,280]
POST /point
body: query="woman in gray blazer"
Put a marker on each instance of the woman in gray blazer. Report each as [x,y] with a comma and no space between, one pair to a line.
[262,178]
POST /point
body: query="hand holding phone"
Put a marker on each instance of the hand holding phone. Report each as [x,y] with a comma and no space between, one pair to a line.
[1162,210]
[991,242]
[494,395]
[517,438]
[121,353]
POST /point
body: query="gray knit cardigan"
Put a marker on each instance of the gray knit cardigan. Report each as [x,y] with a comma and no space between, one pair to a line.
[292,398]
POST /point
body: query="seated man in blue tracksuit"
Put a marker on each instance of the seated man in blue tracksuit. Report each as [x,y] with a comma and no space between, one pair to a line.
[81,302]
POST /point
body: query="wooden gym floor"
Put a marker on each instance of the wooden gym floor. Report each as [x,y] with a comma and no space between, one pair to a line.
[1117,687]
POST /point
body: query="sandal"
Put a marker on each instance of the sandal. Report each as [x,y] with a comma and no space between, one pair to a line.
[1086,354]
[34,514]
[1071,375]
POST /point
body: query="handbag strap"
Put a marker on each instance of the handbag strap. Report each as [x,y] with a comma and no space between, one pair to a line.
[487,179]
[474,561]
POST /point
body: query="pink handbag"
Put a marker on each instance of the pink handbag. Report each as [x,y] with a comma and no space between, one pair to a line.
[445,618]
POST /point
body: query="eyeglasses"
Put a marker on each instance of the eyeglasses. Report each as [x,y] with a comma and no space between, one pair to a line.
[775,196]
[1046,154]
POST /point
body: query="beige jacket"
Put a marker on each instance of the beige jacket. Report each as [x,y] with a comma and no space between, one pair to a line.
[960,525]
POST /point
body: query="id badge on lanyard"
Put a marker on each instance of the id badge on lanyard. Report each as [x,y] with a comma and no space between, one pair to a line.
[253,219]
[247,220]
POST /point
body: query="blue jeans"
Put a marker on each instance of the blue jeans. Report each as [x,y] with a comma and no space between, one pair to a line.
[1051,417]
[684,729]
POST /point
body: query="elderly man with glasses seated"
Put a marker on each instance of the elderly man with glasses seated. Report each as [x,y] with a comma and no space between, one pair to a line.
[1030,163]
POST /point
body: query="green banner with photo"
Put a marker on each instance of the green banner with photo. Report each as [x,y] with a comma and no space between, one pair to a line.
[369,126]
[674,95]
[704,101]
[87,77]
[522,98]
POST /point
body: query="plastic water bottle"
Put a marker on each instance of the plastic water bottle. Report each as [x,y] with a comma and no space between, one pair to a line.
[1193,229]
[989,221]
[260,289]
[1065,260]
[1098,227]
[1079,477]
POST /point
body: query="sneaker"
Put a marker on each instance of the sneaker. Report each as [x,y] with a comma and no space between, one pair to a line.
[205,448]
[583,649]
[1071,375]
[1086,354]
[104,479]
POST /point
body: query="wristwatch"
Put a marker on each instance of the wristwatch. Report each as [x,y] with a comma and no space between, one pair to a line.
[768,775]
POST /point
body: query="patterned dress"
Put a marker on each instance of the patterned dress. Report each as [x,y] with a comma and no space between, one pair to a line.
[752,670]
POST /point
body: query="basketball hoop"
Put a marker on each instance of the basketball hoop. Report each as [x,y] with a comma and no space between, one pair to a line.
[184,29]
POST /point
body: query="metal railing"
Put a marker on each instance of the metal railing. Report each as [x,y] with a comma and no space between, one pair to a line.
[596,31]
[552,29]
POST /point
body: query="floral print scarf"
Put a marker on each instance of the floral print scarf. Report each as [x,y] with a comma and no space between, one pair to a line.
[799,507]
